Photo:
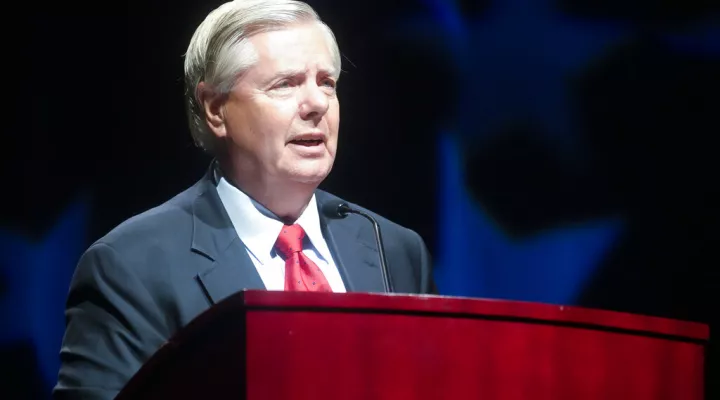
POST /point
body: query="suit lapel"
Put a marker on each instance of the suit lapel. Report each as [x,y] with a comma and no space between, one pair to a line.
[229,268]
[352,245]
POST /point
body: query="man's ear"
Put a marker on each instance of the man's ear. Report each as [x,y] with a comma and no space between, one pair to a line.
[212,102]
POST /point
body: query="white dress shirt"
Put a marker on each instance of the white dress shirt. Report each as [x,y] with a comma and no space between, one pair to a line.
[259,229]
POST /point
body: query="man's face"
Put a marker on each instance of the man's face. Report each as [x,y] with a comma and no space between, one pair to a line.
[282,116]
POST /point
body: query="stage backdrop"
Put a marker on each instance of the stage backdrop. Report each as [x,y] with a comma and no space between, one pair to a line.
[551,151]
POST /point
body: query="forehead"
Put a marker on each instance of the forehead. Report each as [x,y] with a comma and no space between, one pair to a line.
[296,47]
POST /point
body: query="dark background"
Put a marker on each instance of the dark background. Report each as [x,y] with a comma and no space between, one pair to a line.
[553,151]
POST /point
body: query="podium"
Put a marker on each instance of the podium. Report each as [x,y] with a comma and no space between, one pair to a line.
[299,345]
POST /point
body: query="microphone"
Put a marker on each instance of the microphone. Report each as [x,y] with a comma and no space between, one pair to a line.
[337,209]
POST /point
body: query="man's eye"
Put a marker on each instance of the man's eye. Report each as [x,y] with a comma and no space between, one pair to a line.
[329,83]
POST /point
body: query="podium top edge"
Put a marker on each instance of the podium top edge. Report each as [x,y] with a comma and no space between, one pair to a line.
[466,307]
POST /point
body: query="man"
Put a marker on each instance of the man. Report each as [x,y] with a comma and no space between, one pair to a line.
[261,82]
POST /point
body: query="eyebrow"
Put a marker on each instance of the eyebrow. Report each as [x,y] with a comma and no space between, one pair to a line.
[332,71]
[295,72]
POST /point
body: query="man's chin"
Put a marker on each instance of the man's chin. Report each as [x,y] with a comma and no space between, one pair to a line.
[309,179]
[310,175]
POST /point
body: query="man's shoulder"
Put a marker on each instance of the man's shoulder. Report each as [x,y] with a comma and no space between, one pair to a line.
[408,256]
[164,224]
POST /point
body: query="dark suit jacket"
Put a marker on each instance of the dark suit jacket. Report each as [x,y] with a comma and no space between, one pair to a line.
[150,276]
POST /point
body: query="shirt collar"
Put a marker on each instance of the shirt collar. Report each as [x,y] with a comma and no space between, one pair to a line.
[258,228]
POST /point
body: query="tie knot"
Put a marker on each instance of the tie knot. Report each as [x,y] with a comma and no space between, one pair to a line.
[290,240]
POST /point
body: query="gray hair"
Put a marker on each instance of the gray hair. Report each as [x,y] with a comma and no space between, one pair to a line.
[219,53]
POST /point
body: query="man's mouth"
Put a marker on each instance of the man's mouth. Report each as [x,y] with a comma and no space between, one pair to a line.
[307,142]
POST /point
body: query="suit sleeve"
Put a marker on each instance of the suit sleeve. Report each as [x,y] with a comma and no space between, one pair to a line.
[427,283]
[113,325]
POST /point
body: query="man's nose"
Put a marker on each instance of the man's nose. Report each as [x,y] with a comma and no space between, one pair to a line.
[314,102]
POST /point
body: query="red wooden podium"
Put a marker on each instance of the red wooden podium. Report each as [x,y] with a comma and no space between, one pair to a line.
[295,345]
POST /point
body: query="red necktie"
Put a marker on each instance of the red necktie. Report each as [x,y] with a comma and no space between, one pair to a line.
[301,274]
